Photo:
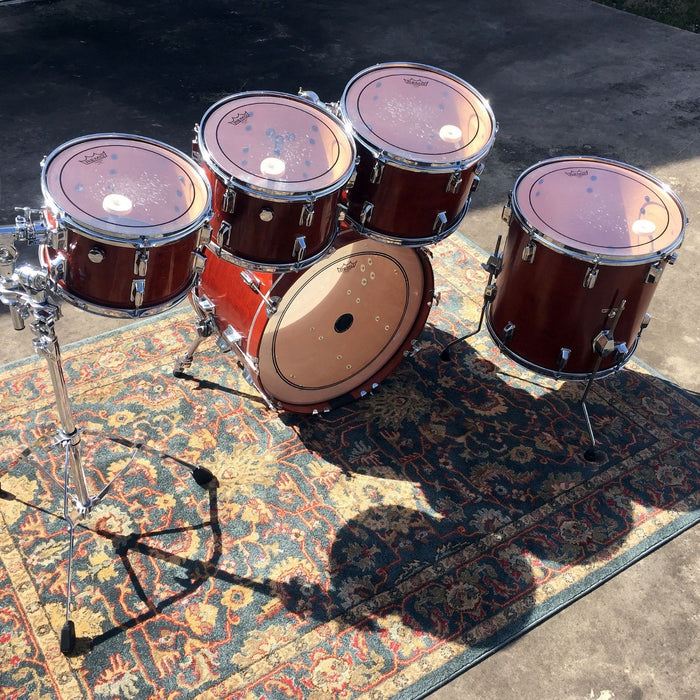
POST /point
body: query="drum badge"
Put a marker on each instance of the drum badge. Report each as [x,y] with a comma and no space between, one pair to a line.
[94,158]
[240,118]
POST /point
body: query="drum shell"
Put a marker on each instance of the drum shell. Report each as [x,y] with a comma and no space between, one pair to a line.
[106,286]
[551,308]
[238,306]
[270,245]
[407,201]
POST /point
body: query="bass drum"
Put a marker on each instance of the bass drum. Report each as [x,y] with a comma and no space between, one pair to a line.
[319,338]
[588,239]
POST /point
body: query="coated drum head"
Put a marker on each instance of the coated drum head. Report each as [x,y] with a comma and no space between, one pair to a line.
[419,115]
[344,323]
[599,208]
[276,143]
[126,188]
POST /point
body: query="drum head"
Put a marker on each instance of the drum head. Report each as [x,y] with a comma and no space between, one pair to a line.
[276,143]
[342,322]
[419,115]
[600,208]
[126,187]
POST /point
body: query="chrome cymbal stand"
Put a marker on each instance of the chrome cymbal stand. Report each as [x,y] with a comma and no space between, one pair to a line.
[26,291]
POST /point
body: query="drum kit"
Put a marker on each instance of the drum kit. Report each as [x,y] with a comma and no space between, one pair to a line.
[300,231]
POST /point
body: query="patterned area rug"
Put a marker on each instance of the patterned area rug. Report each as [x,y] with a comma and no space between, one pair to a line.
[371,552]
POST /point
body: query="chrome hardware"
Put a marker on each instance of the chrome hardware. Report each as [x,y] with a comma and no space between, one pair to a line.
[299,250]
[307,214]
[366,213]
[204,236]
[508,332]
[507,211]
[654,274]
[198,263]
[529,251]
[97,255]
[28,230]
[140,263]
[232,336]
[479,168]
[223,238]
[271,303]
[310,96]
[454,182]
[440,222]
[196,155]
[377,171]
[645,322]
[494,264]
[138,287]
[564,354]
[266,214]
[603,343]
[228,202]
[475,184]
[671,259]
[591,276]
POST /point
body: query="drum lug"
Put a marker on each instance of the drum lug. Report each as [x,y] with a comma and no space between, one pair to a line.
[199,262]
[140,263]
[299,250]
[454,182]
[564,354]
[228,202]
[529,252]
[475,184]
[366,213]
[507,212]
[204,236]
[307,214]
[654,274]
[377,171]
[591,276]
[508,332]
[223,238]
[138,287]
[440,222]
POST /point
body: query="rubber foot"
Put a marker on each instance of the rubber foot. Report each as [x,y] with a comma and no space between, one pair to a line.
[593,455]
[68,637]
[202,476]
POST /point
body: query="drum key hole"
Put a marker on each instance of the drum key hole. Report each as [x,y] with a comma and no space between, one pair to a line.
[343,323]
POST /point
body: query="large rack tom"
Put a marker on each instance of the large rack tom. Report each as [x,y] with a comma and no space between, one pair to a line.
[588,239]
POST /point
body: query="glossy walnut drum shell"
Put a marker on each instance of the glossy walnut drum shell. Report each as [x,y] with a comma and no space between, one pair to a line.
[584,235]
[338,328]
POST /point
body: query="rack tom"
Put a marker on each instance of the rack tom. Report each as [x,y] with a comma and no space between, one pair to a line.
[126,216]
[422,136]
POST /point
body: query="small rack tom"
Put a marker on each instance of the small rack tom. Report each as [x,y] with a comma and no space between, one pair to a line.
[126,216]
[278,166]
[422,135]
[588,239]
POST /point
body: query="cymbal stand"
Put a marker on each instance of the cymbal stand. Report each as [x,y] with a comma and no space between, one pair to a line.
[27,293]
[493,267]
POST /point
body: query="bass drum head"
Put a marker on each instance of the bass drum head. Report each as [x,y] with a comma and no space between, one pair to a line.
[344,325]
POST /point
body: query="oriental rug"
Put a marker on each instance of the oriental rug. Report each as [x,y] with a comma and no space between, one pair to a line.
[374,551]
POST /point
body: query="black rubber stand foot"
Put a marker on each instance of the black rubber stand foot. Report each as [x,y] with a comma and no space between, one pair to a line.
[445,354]
[179,374]
[593,455]
[202,476]
[68,637]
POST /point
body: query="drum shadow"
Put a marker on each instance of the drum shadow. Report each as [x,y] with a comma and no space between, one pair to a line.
[482,494]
